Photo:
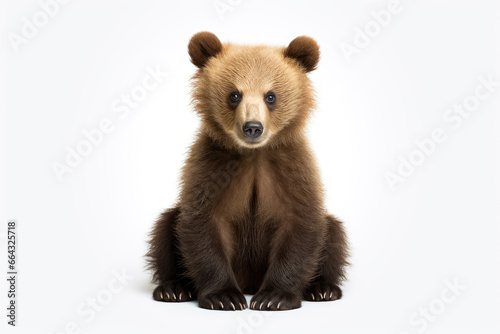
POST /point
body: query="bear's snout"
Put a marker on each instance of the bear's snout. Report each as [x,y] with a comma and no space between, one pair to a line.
[253,129]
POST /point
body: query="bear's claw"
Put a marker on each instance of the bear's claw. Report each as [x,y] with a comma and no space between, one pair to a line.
[227,301]
[274,301]
[172,291]
[321,291]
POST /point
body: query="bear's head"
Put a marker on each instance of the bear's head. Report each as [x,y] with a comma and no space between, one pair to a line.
[252,96]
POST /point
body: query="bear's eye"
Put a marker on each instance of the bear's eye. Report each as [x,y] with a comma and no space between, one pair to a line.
[270,98]
[235,98]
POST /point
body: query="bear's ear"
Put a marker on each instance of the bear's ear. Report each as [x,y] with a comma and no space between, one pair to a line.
[202,47]
[305,50]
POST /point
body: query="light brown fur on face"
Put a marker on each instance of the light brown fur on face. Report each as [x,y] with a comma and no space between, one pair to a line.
[253,71]
[250,216]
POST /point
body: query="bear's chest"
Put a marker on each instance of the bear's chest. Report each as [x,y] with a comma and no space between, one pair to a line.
[253,191]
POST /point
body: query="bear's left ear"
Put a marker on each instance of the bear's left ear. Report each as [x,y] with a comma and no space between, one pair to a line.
[305,50]
[202,47]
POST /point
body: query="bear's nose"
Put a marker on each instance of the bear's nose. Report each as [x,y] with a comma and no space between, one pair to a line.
[252,129]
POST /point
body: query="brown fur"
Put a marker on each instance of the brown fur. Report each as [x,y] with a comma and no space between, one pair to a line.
[250,216]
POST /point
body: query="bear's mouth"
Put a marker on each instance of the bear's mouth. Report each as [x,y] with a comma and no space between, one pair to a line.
[252,140]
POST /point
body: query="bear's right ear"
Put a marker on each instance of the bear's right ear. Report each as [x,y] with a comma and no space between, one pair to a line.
[202,47]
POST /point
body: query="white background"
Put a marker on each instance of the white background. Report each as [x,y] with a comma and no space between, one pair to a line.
[441,224]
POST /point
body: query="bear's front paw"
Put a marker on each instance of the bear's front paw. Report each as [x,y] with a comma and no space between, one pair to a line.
[274,301]
[227,301]
[173,291]
[321,291]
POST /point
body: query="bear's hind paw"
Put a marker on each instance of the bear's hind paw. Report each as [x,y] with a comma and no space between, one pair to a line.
[173,291]
[321,291]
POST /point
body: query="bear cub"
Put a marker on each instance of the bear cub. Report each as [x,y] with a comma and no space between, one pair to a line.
[250,217]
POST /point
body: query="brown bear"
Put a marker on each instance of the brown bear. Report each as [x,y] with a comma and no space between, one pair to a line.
[250,217]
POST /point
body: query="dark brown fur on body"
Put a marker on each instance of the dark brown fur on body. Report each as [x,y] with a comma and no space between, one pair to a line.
[250,216]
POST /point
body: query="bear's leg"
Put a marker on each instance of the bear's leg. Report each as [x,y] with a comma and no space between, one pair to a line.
[206,249]
[331,273]
[163,258]
[294,256]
